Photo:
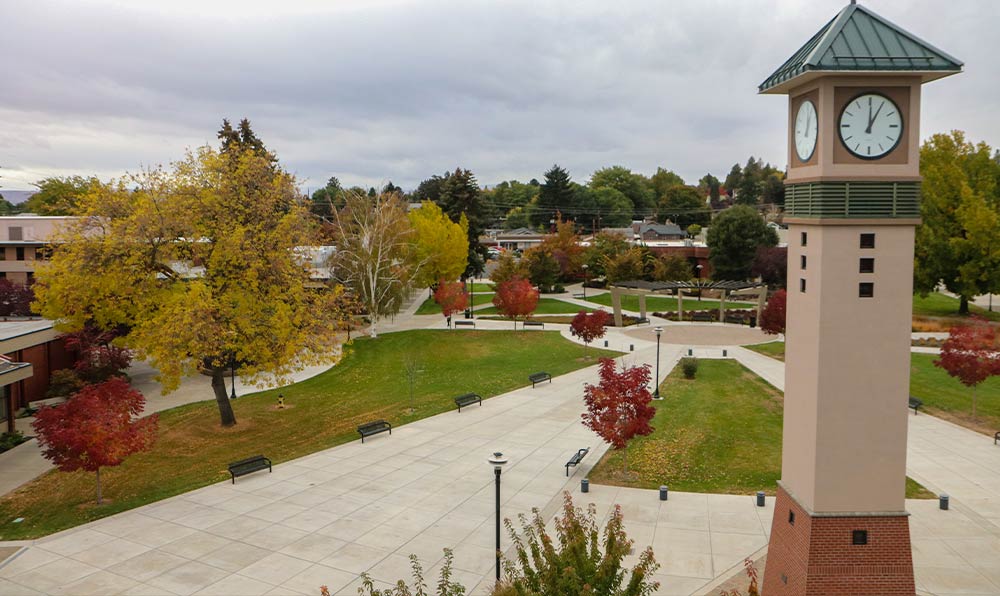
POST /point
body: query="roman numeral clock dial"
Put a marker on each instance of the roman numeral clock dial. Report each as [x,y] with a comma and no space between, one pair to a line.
[870,126]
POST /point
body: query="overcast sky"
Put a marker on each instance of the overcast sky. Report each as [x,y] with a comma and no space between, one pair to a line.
[377,90]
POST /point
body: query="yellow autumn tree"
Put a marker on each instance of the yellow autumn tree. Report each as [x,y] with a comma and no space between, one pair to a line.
[196,265]
[442,246]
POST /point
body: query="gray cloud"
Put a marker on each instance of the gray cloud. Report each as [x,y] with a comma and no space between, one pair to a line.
[400,90]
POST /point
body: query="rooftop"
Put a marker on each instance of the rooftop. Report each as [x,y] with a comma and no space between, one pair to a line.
[858,41]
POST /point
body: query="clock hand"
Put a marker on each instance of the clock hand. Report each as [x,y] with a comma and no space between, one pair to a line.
[874,118]
[870,120]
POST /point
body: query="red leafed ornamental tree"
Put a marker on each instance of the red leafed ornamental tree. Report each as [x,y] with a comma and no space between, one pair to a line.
[618,408]
[772,318]
[589,326]
[96,428]
[451,297]
[971,354]
[516,298]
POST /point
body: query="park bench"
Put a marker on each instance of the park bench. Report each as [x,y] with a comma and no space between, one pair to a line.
[373,428]
[736,319]
[248,465]
[702,316]
[465,324]
[577,458]
[538,377]
[467,400]
[915,404]
[527,324]
[579,295]
[642,321]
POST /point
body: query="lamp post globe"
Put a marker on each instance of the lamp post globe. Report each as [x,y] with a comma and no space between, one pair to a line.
[497,460]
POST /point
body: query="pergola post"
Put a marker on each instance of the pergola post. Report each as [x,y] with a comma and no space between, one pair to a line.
[761,299]
[642,305]
[616,305]
[722,307]
[680,304]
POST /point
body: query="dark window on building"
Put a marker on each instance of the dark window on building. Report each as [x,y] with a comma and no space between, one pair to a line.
[868,241]
[20,253]
[791,517]
[867,265]
[802,262]
[3,275]
[802,285]
[15,233]
[31,277]
[805,238]
[866,289]
[859,537]
[3,254]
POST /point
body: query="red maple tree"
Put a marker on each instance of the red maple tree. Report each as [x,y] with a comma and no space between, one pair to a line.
[618,408]
[589,326]
[451,297]
[772,318]
[96,428]
[516,298]
[971,354]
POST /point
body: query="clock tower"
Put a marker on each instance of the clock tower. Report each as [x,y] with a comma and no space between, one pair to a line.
[852,204]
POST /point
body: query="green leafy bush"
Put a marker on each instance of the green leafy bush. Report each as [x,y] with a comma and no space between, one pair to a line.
[579,562]
[10,440]
[689,366]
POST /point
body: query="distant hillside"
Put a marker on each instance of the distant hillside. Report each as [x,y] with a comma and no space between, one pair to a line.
[16,196]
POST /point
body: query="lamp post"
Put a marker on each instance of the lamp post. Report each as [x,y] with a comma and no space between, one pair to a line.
[232,374]
[698,267]
[585,280]
[656,391]
[497,460]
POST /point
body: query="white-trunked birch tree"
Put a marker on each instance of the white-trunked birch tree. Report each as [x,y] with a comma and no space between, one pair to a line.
[374,255]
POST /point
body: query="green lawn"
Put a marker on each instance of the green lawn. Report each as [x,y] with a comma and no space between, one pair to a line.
[774,349]
[429,307]
[939,305]
[718,433]
[546,306]
[192,450]
[944,396]
[665,303]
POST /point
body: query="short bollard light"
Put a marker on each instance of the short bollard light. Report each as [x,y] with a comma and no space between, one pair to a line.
[663,492]
[281,402]
[585,486]
[943,502]
[760,498]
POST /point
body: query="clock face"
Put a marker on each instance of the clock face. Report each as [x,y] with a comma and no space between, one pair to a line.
[870,126]
[806,127]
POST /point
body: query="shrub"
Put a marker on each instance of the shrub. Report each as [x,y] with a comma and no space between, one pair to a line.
[10,440]
[689,366]
[573,563]
[445,587]
[64,383]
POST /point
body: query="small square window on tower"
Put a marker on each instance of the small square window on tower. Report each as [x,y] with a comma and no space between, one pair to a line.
[859,537]
[866,289]
[802,285]
[802,262]
[867,265]
[805,238]
[868,241]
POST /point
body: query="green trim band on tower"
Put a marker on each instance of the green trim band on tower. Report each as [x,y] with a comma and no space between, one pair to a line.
[853,200]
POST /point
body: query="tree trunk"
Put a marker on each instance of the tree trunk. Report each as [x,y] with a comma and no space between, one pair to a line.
[98,486]
[226,415]
[963,305]
[974,402]
[625,459]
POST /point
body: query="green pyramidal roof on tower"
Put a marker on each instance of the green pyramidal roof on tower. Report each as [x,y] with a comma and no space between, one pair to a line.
[859,41]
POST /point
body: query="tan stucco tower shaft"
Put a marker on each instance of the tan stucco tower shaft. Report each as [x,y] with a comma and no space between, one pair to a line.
[852,205]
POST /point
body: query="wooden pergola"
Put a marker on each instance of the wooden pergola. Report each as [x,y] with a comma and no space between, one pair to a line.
[643,288]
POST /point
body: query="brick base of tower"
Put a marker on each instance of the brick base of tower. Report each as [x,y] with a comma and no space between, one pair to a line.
[816,555]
